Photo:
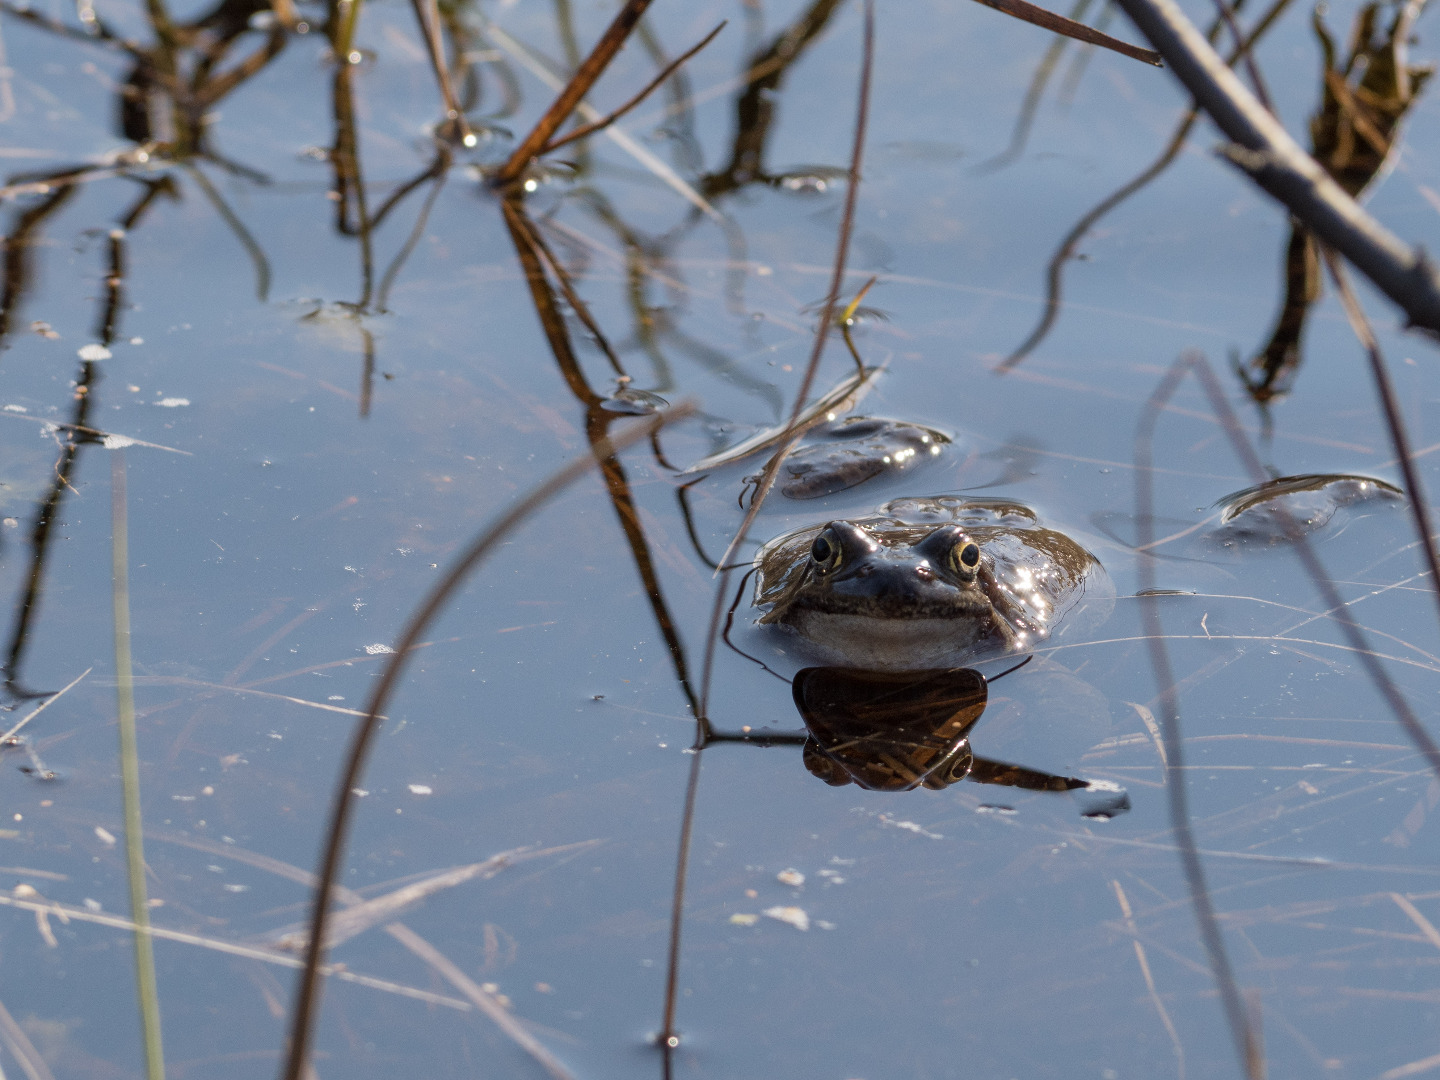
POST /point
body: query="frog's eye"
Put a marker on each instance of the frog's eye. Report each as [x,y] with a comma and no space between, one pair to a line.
[826,550]
[965,557]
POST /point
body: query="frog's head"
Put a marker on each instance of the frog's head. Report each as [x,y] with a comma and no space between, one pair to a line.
[893,597]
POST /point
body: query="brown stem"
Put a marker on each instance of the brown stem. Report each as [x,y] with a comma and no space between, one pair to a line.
[579,85]
[606,121]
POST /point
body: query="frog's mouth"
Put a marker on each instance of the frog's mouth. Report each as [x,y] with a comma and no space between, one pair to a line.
[898,596]
[943,604]
[906,643]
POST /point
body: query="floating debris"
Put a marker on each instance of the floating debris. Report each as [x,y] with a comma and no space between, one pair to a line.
[790,877]
[632,401]
[744,919]
[794,916]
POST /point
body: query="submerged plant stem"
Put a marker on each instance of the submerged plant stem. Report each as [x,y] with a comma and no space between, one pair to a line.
[145,986]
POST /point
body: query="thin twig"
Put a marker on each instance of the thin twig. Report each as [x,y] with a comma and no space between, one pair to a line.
[232,948]
[1042,17]
[5,739]
[1265,151]
[669,1035]
[1169,709]
[579,85]
[619,136]
[1149,978]
[1227,13]
[832,295]
[22,1049]
[145,988]
[606,121]
[456,127]
[1329,595]
[307,994]
[1394,417]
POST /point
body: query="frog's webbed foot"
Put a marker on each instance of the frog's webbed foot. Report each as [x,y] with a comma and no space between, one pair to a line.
[1100,800]
[985,771]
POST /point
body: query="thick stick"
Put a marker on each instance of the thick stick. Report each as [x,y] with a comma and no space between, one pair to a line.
[1267,153]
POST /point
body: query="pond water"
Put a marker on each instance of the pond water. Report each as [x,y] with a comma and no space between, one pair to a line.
[315,417]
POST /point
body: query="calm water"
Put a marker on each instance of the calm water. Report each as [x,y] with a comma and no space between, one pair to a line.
[313,450]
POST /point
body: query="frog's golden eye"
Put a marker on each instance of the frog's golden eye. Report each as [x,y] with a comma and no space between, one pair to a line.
[965,557]
[826,550]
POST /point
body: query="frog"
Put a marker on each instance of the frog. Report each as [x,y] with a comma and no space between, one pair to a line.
[927,582]
[845,453]
[1307,504]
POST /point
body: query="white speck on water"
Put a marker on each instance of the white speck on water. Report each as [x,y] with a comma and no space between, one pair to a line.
[236,888]
[744,919]
[16,408]
[790,876]
[909,826]
[793,916]
[93,352]
[137,341]
[359,792]
[92,905]
[336,697]
[106,837]
[421,789]
[379,650]
[173,402]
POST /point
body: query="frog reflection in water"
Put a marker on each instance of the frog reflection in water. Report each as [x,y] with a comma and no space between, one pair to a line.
[898,731]
[926,583]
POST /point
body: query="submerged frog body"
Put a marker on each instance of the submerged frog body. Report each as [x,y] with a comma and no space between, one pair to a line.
[1270,512]
[927,583]
[848,452]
